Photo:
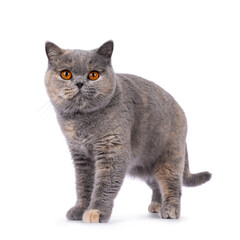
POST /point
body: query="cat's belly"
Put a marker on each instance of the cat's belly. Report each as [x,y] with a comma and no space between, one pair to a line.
[136,168]
[139,171]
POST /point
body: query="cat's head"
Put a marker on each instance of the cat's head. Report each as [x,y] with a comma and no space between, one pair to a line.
[79,81]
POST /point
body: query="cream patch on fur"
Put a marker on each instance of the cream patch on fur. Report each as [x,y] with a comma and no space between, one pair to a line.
[91,216]
[68,129]
[154,207]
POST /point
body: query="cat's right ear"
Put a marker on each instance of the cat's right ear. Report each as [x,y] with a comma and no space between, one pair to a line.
[52,51]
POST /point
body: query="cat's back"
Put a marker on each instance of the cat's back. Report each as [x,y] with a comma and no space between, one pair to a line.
[146,93]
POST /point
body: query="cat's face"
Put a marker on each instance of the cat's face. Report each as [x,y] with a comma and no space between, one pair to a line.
[79,81]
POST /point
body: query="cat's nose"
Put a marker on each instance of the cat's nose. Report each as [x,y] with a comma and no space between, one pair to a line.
[79,85]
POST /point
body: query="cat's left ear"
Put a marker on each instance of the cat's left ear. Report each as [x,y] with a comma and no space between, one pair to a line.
[106,49]
[53,51]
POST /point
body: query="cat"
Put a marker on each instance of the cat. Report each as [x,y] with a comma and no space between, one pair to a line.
[117,124]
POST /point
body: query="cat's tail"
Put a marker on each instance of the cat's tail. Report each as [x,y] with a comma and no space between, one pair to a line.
[192,180]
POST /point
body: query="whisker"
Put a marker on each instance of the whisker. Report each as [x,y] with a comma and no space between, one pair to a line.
[43,106]
[46,108]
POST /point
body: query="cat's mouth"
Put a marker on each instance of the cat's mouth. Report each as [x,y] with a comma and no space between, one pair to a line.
[79,94]
[88,92]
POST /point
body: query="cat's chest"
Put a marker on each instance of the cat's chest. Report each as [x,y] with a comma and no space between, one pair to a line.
[79,136]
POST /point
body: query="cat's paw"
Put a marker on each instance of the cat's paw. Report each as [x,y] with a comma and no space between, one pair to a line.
[154,207]
[91,216]
[170,212]
[75,213]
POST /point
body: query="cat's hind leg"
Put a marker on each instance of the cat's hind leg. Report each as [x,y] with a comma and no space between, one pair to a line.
[155,204]
[169,178]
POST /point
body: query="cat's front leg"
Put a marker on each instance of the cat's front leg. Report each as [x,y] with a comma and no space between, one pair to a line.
[84,171]
[110,169]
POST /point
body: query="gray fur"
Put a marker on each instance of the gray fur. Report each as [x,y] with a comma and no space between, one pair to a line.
[116,125]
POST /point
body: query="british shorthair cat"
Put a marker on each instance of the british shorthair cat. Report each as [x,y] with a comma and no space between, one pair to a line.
[117,124]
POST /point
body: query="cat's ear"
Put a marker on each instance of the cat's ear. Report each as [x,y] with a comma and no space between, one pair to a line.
[53,51]
[106,49]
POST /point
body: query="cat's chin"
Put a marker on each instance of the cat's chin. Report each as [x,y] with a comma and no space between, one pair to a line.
[79,104]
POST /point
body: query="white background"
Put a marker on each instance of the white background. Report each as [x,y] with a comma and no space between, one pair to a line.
[190,48]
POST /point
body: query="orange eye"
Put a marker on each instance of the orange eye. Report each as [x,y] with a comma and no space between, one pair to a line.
[94,75]
[66,75]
